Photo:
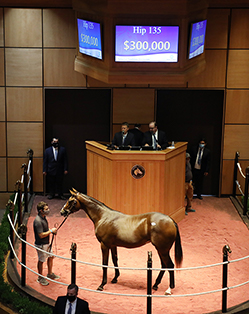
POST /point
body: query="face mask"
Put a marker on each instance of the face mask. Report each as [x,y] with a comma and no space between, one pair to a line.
[55,144]
[46,212]
[201,145]
[71,298]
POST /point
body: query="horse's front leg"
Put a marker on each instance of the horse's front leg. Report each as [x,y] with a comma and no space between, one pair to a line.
[115,263]
[105,256]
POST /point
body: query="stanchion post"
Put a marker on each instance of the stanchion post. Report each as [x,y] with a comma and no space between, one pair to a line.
[30,154]
[246,192]
[19,202]
[226,250]
[236,160]
[25,184]
[149,282]
[23,231]
[11,209]
[73,263]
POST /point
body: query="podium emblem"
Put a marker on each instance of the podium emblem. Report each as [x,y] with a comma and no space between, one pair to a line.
[137,171]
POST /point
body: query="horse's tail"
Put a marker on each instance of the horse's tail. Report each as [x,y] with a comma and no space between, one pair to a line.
[178,248]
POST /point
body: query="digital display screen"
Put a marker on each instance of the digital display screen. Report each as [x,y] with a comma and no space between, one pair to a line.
[89,35]
[197,39]
[146,43]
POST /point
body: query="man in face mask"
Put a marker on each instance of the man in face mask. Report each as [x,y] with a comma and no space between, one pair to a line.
[55,167]
[71,304]
[200,165]
[42,233]
[188,185]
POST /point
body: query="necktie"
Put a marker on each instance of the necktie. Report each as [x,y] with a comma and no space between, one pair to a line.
[155,143]
[70,308]
[123,139]
[199,157]
[55,154]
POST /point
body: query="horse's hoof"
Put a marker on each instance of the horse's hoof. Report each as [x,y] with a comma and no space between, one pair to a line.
[155,288]
[100,288]
[114,280]
[168,291]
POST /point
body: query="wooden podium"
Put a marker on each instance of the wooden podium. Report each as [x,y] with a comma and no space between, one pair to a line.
[135,182]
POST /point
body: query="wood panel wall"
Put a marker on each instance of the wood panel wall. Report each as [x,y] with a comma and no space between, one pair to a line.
[37,50]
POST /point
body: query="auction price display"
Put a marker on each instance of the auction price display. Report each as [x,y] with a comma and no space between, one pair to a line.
[197,39]
[89,35]
[146,43]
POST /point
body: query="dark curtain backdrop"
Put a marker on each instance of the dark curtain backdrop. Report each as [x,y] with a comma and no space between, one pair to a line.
[74,116]
[188,115]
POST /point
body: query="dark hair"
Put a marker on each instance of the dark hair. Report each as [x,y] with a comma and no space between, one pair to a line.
[203,139]
[137,125]
[41,205]
[73,286]
[126,123]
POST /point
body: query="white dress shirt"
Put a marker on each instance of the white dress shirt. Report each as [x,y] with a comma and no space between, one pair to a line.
[153,139]
[74,303]
[55,151]
[200,151]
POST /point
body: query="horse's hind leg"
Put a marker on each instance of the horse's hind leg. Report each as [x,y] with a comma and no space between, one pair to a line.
[105,256]
[115,263]
[166,262]
[171,274]
[160,275]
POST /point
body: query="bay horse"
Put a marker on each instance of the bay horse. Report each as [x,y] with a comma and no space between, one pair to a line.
[113,229]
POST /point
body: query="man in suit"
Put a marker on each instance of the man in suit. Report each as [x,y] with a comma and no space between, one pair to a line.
[70,303]
[124,137]
[138,134]
[200,160]
[155,137]
[189,190]
[55,167]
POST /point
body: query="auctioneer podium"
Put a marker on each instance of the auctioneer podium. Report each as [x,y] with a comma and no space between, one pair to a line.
[135,182]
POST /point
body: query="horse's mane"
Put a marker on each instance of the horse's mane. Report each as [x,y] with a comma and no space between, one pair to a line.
[99,203]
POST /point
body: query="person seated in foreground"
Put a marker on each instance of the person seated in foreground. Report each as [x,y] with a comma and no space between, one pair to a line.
[70,303]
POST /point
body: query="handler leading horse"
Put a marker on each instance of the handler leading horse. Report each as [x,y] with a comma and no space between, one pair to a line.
[113,228]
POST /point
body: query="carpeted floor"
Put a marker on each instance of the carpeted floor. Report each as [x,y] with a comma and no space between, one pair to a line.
[204,233]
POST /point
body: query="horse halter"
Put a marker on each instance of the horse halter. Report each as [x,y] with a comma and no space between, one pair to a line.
[69,210]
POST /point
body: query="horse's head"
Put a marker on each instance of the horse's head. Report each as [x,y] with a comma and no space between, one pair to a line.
[72,205]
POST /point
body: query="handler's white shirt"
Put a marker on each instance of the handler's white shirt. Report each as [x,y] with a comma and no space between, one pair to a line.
[74,303]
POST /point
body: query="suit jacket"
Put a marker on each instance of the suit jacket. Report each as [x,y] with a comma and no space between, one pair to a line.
[129,140]
[55,167]
[162,140]
[205,161]
[60,305]
[138,135]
